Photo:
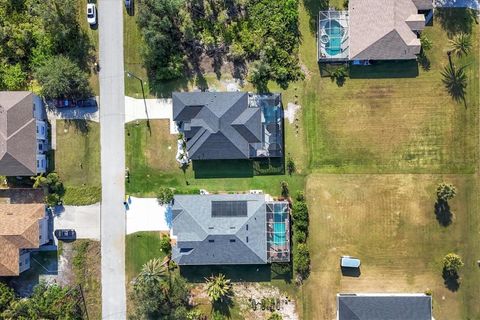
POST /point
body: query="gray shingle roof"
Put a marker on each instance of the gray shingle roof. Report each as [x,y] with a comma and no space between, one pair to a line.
[379,29]
[384,307]
[206,240]
[18,144]
[217,125]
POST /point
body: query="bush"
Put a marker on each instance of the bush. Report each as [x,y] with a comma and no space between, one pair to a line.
[164,196]
[299,236]
[275,316]
[291,168]
[452,263]
[165,245]
[300,212]
[300,196]
[301,260]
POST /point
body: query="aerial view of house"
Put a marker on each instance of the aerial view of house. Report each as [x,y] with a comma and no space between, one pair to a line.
[22,227]
[229,125]
[230,229]
[373,306]
[240,160]
[373,30]
[23,134]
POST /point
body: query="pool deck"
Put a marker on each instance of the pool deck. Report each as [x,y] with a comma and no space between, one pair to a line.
[278,252]
[332,44]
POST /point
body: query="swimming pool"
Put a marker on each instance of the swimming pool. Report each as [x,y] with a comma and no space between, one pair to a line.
[279,227]
[334,30]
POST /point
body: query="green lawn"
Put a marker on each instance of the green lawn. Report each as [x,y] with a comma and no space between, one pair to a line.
[152,164]
[378,122]
[141,247]
[77,160]
[389,222]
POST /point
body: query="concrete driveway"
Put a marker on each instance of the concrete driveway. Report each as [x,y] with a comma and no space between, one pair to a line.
[145,214]
[84,219]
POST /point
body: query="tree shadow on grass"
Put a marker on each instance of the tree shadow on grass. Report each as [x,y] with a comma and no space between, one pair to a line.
[81,125]
[424,61]
[451,280]
[313,7]
[456,20]
[223,307]
[443,213]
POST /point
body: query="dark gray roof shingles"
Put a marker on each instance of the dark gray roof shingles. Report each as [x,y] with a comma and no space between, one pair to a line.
[229,125]
[388,307]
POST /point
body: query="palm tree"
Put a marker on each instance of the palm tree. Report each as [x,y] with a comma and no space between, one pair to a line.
[219,288]
[461,44]
[153,272]
[455,80]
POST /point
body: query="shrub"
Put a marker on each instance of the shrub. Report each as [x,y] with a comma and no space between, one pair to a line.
[301,260]
[275,316]
[446,191]
[164,196]
[452,263]
[300,196]
[300,211]
[285,190]
[291,168]
[299,236]
[165,245]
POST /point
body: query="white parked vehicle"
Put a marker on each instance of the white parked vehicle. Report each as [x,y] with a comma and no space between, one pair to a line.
[91,14]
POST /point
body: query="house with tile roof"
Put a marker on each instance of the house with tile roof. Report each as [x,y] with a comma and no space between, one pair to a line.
[22,227]
[229,125]
[23,134]
[382,306]
[373,30]
[229,229]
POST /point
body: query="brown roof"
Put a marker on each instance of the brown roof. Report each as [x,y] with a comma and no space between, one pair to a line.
[19,229]
[18,145]
[382,29]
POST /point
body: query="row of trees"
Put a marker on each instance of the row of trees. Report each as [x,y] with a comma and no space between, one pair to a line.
[42,40]
[178,33]
[46,302]
[301,254]
[53,185]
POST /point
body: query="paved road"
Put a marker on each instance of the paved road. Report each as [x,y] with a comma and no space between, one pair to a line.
[112,140]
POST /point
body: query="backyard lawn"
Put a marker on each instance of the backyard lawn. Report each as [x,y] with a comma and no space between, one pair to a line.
[389,222]
[379,123]
[151,162]
[77,160]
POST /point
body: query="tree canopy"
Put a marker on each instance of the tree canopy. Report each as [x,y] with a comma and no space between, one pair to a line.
[179,33]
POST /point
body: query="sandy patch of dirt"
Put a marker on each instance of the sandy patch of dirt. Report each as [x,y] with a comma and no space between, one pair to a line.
[290,112]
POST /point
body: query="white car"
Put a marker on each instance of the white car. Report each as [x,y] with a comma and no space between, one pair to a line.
[91,14]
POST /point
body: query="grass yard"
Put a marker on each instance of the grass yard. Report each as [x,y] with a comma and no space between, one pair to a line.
[86,267]
[141,247]
[152,164]
[379,123]
[77,160]
[388,221]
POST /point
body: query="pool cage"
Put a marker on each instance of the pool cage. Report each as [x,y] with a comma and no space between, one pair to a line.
[278,231]
[332,36]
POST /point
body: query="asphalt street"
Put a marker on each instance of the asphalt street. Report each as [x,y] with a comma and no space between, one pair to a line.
[112,140]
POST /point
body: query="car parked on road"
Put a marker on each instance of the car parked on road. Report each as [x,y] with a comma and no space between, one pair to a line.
[65,234]
[91,14]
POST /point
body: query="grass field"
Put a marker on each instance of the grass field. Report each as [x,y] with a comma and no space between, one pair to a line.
[389,124]
[141,247]
[77,160]
[389,222]
[152,164]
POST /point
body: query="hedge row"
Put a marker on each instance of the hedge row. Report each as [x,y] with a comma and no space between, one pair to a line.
[301,255]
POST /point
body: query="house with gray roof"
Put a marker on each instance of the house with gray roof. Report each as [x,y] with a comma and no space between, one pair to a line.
[229,229]
[229,125]
[23,134]
[383,306]
[373,30]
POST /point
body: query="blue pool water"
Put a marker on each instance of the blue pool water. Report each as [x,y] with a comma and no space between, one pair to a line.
[270,114]
[279,228]
[335,35]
